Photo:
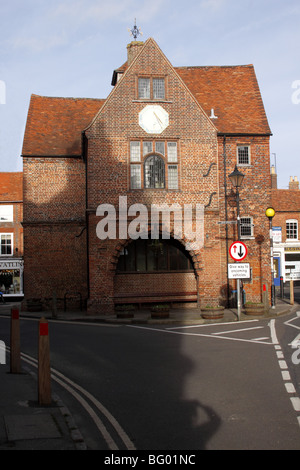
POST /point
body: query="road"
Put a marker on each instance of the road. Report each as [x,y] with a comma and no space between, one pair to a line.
[223,386]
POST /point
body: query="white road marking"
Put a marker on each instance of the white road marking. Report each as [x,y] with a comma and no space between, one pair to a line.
[100,425]
[289,386]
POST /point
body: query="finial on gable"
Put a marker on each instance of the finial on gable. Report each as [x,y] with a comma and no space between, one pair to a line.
[135,31]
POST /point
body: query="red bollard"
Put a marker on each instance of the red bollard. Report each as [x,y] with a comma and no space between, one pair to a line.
[44,374]
[15,345]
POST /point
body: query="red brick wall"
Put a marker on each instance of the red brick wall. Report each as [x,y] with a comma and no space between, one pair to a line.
[11,192]
[286,203]
[108,168]
[54,222]
[255,198]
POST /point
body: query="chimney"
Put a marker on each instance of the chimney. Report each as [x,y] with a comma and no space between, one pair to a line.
[133,49]
[273,178]
[294,183]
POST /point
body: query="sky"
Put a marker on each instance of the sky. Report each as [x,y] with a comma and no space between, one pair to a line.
[70,48]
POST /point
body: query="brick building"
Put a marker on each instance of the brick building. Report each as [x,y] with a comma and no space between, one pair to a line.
[164,135]
[11,234]
[285,226]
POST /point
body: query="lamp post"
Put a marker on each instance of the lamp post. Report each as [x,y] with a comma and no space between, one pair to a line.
[270,212]
[236,178]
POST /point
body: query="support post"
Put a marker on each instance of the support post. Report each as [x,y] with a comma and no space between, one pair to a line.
[291,292]
[44,374]
[15,346]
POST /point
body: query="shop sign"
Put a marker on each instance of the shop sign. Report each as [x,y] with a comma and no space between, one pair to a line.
[11,264]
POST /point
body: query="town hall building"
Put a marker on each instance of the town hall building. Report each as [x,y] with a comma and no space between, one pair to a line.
[93,170]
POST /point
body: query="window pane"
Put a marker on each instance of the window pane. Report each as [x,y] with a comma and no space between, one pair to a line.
[246,227]
[140,255]
[154,172]
[6,244]
[135,177]
[130,258]
[172,151]
[172,177]
[151,257]
[160,147]
[292,230]
[135,154]
[159,88]
[147,147]
[243,155]
[144,88]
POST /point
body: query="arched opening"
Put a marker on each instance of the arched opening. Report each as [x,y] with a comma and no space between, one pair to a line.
[151,271]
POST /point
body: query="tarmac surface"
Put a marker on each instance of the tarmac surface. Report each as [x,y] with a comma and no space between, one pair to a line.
[26,425]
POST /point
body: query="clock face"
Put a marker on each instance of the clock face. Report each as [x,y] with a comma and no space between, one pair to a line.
[153,119]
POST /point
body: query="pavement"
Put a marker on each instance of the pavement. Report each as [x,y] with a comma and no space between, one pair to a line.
[27,425]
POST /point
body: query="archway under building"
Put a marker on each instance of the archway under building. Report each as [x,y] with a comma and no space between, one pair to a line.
[155,271]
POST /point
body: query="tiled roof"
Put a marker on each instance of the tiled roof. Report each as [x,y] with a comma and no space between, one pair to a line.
[54,125]
[233,93]
[286,200]
[11,186]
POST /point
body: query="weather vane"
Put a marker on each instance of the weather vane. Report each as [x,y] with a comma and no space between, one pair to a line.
[135,31]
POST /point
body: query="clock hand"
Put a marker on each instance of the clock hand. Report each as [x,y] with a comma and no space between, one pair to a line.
[158,118]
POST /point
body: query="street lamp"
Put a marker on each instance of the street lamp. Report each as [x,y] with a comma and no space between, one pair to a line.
[236,178]
[270,212]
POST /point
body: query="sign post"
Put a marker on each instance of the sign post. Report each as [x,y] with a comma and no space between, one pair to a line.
[238,251]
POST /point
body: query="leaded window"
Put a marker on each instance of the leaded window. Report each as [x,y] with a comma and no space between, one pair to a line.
[154,172]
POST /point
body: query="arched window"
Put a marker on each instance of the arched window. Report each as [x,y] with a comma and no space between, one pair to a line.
[154,172]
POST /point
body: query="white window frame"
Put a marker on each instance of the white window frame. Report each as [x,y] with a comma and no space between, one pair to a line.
[250,225]
[238,156]
[292,221]
[12,244]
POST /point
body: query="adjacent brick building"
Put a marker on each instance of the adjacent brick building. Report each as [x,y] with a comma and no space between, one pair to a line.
[11,234]
[285,227]
[165,135]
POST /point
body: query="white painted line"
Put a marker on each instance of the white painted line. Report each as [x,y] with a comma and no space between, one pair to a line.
[206,324]
[273,332]
[235,331]
[280,354]
[283,365]
[285,375]
[197,334]
[296,342]
[296,403]
[277,346]
[261,339]
[290,387]
[98,422]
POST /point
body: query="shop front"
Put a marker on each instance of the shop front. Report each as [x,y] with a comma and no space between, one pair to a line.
[11,277]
